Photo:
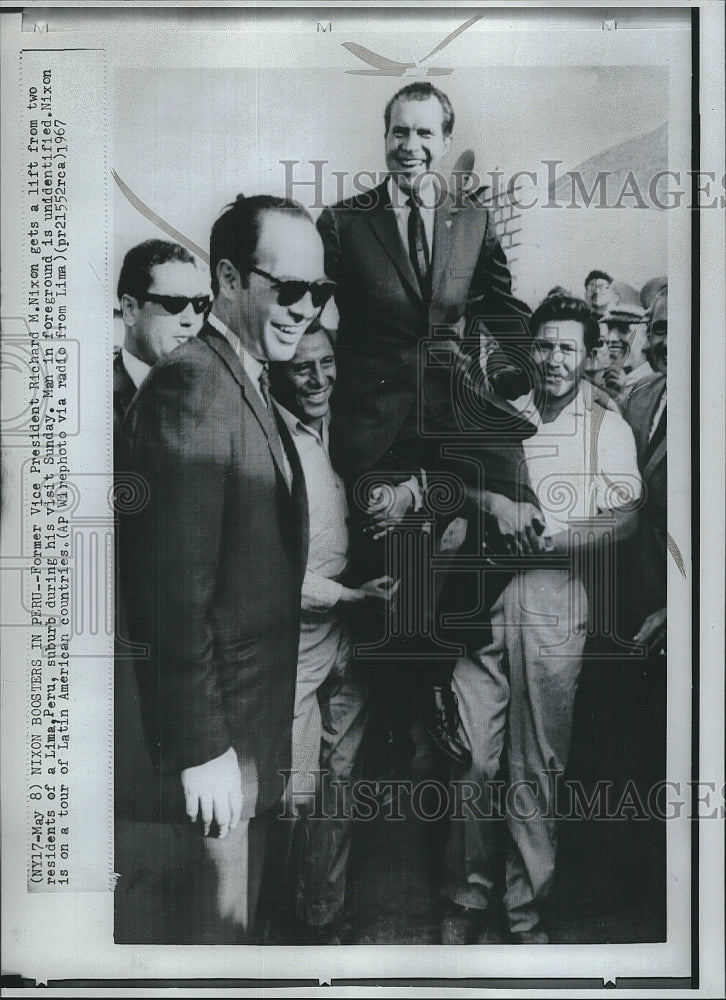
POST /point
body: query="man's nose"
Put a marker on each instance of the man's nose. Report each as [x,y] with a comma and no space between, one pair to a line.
[303,309]
[187,315]
[317,376]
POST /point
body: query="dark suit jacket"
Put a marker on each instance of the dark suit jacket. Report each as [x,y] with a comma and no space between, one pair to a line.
[124,391]
[386,382]
[646,560]
[212,567]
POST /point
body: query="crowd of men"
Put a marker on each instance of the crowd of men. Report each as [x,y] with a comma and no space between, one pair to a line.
[358,405]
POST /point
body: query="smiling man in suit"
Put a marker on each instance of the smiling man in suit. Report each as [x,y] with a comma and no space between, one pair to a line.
[213,563]
[412,262]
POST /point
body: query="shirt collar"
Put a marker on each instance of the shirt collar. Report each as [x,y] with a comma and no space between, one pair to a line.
[296,426]
[581,401]
[252,366]
[137,370]
[428,195]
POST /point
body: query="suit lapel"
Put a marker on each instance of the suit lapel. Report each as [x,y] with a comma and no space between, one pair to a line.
[382,220]
[221,346]
[655,449]
[443,227]
[124,387]
[299,495]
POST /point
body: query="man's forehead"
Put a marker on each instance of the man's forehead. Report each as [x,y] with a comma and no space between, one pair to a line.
[289,246]
[174,275]
[409,112]
[313,346]
[660,311]
[560,329]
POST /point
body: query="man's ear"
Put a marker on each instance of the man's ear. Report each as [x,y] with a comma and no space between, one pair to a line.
[447,144]
[129,309]
[228,277]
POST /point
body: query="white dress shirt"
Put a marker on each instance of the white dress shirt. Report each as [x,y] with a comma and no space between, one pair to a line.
[427,196]
[252,366]
[137,370]
[327,516]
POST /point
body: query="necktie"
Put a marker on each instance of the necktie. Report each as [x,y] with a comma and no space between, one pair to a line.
[418,249]
[264,380]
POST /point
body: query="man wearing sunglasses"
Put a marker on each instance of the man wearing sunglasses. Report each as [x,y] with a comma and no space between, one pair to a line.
[162,299]
[214,564]
[160,292]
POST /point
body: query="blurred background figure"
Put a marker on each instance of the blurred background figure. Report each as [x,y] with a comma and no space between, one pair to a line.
[623,351]
[650,290]
[599,293]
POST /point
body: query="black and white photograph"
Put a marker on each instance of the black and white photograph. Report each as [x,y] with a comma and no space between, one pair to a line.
[361,600]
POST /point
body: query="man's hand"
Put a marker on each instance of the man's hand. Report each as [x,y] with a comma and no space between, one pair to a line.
[652,632]
[521,525]
[382,589]
[613,379]
[215,789]
[388,507]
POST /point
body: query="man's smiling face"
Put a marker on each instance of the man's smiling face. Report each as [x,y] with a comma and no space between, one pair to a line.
[310,377]
[415,142]
[290,249]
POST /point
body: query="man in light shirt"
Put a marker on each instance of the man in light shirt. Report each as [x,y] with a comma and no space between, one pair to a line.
[330,695]
[516,695]
[163,301]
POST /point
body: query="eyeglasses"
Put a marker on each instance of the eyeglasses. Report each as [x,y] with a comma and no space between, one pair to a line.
[289,292]
[176,304]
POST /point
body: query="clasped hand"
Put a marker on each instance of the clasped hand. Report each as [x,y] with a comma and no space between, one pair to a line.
[388,507]
[521,525]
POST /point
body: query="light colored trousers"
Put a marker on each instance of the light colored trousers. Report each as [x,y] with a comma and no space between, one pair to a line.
[324,741]
[516,700]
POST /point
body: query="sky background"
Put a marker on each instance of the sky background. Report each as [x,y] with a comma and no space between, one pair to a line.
[186,141]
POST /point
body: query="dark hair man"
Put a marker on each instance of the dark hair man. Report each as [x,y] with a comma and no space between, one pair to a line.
[516,694]
[213,563]
[410,261]
[162,305]
[330,694]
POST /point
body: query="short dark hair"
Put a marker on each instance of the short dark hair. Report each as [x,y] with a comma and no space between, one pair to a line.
[565,307]
[593,275]
[421,91]
[135,276]
[236,232]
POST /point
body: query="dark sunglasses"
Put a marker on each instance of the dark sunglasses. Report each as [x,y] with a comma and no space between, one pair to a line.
[176,304]
[289,292]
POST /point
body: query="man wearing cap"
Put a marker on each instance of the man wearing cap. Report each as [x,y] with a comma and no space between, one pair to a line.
[625,342]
